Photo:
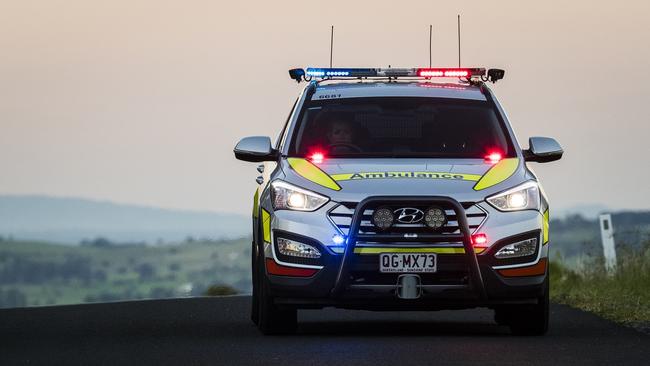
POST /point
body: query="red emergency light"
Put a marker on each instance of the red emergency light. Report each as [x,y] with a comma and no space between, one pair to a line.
[479,240]
[493,157]
[317,157]
[448,72]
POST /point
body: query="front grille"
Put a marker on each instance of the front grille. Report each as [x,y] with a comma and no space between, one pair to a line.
[341,217]
[455,269]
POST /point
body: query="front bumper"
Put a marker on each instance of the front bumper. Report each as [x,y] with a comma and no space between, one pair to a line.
[351,280]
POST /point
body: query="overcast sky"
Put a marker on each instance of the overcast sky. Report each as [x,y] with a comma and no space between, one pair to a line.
[143,101]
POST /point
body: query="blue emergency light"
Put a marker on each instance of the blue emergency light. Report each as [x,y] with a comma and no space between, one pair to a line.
[339,72]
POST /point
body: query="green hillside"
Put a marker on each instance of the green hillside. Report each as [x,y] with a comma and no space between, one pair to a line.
[36,273]
[39,273]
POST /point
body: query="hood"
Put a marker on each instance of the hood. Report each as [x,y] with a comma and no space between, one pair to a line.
[357,179]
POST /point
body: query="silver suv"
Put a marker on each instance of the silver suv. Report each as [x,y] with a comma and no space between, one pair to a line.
[388,191]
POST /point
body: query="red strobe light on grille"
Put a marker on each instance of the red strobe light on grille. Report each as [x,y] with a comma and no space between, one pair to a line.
[479,240]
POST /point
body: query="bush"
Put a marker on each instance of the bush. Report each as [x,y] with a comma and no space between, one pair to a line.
[220,290]
[146,271]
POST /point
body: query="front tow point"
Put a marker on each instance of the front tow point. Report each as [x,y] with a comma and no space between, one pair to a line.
[408,286]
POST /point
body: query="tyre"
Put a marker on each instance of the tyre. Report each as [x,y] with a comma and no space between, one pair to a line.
[531,320]
[271,318]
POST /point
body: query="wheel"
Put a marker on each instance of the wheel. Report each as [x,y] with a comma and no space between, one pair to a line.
[531,319]
[255,303]
[271,318]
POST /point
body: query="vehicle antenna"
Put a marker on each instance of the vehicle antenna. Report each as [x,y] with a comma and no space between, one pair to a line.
[458,40]
[430,33]
[331,45]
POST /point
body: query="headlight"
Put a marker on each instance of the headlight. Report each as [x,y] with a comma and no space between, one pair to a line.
[289,197]
[522,197]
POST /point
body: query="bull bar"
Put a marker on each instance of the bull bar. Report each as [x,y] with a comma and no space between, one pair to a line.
[465,236]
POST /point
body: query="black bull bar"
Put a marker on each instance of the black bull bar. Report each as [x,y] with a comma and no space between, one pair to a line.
[476,280]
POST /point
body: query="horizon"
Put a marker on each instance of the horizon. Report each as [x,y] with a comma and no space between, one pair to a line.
[571,208]
[75,220]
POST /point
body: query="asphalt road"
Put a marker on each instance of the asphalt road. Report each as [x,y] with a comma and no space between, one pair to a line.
[217,331]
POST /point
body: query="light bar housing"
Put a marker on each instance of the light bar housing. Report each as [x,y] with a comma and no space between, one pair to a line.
[330,73]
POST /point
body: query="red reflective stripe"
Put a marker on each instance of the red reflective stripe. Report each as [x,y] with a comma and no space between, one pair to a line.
[534,270]
[278,270]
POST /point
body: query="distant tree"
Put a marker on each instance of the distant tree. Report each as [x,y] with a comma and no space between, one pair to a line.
[174,266]
[97,242]
[146,271]
[101,242]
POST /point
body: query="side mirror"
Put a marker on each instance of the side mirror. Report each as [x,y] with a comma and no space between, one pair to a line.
[255,149]
[543,150]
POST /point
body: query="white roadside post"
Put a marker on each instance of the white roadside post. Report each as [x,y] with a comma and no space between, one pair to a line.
[607,236]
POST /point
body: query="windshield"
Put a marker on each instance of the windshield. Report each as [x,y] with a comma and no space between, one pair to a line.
[400,127]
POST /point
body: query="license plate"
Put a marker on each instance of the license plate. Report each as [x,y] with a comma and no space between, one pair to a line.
[407,262]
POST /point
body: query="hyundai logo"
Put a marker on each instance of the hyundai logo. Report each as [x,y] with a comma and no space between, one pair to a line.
[408,215]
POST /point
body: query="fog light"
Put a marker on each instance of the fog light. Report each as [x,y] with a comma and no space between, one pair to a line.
[435,217]
[338,239]
[297,249]
[383,218]
[519,249]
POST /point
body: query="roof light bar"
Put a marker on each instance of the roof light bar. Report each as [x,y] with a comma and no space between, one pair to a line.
[394,72]
[427,73]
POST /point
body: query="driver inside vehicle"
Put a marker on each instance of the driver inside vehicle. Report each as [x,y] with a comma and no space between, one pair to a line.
[341,136]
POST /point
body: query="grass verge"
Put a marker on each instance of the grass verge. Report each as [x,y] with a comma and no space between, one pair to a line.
[623,297]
